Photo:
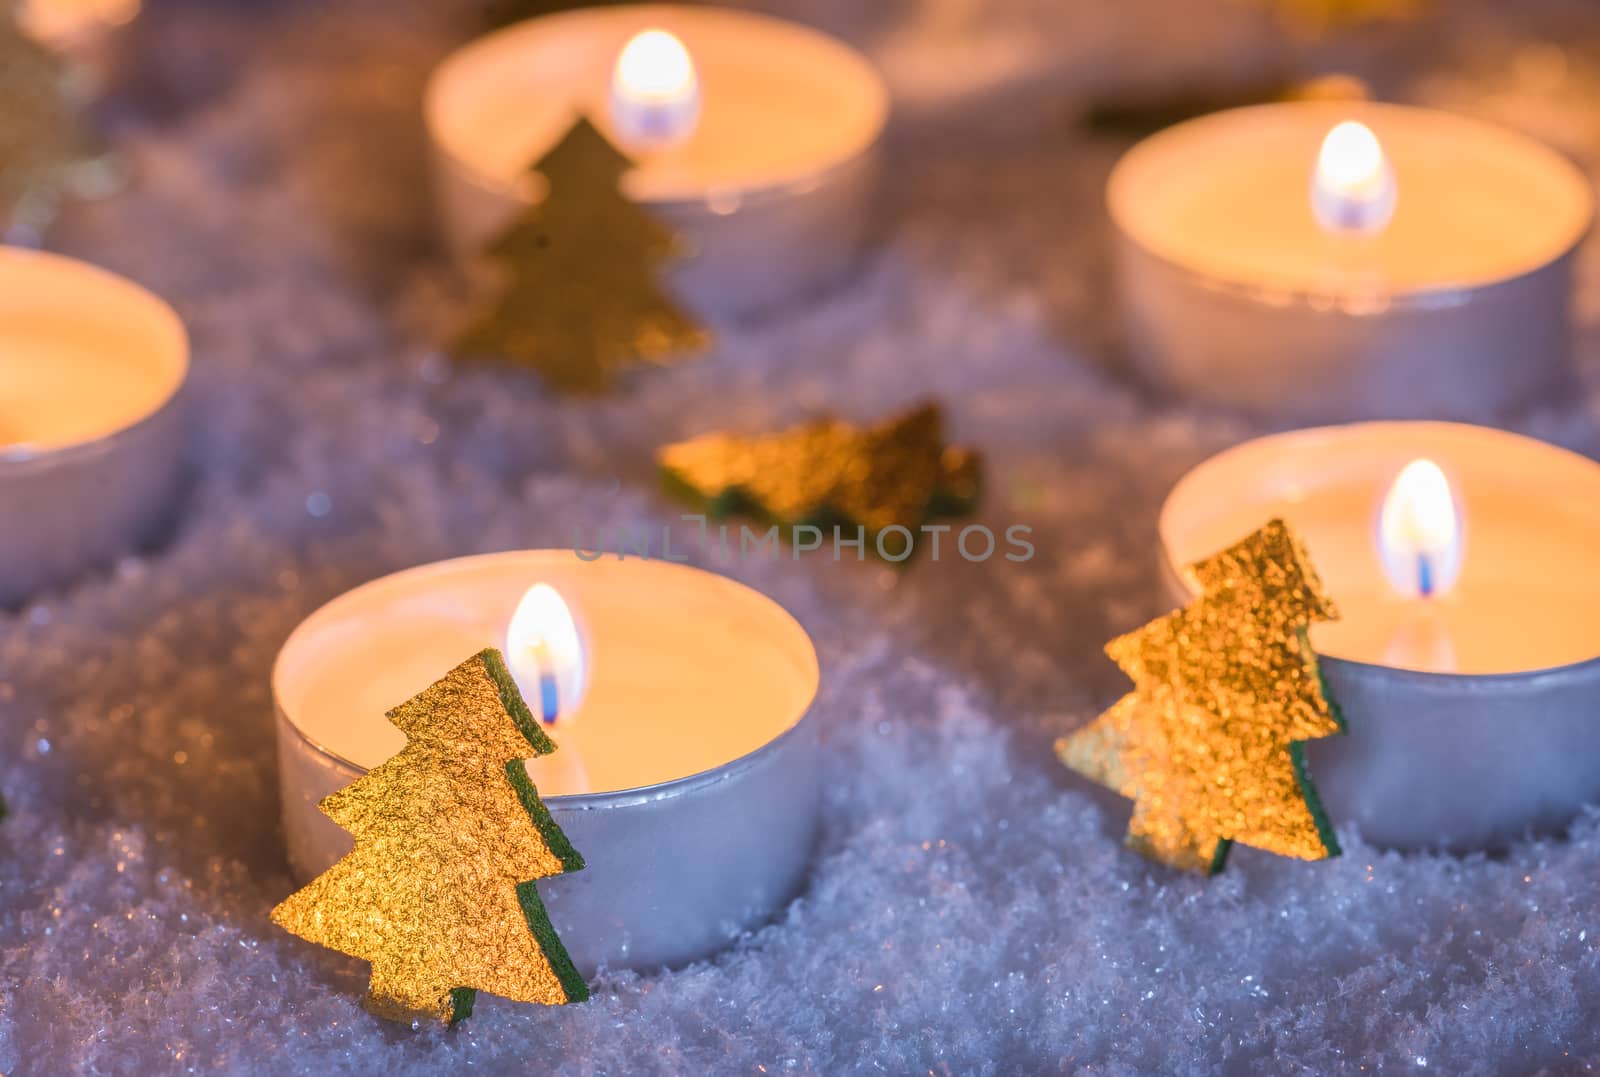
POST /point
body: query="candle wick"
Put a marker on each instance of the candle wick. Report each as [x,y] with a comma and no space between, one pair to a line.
[1424,575]
[549,692]
[549,698]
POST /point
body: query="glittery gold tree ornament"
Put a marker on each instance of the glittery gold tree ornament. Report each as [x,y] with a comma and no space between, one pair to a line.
[581,302]
[898,473]
[1226,690]
[44,146]
[450,835]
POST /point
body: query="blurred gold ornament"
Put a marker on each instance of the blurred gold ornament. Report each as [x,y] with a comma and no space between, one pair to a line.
[581,303]
[899,473]
[450,835]
[44,147]
[1322,16]
[1209,742]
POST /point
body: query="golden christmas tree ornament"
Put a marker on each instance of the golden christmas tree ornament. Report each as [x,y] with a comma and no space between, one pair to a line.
[581,303]
[1226,690]
[899,473]
[450,836]
[44,147]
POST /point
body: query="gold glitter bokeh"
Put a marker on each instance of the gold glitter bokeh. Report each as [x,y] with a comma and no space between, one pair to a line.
[1225,689]
[581,302]
[438,894]
[897,473]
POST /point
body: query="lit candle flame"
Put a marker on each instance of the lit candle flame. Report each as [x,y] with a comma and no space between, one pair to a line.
[655,92]
[1353,188]
[545,654]
[1420,532]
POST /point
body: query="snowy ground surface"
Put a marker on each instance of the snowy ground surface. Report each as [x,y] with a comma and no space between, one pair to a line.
[971,908]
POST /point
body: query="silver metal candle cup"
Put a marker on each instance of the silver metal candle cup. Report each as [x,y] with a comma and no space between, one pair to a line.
[748,249]
[64,511]
[1430,760]
[1459,353]
[675,871]
[1259,332]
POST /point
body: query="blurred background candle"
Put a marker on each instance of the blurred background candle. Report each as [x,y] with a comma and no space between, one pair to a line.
[754,138]
[1467,656]
[686,769]
[91,433]
[1319,260]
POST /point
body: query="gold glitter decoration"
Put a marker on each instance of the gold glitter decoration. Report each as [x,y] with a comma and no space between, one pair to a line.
[581,303]
[42,143]
[899,473]
[450,834]
[1208,744]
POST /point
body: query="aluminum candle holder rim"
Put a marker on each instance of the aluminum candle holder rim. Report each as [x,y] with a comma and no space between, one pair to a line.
[21,459]
[1441,294]
[1509,682]
[755,193]
[1354,302]
[593,801]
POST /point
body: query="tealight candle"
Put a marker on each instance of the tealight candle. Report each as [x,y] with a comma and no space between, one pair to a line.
[686,772]
[1320,260]
[1462,560]
[91,436]
[754,138]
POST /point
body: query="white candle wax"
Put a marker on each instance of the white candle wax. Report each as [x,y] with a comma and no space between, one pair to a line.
[67,379]
[1474,714]
[90,445]
[687,670]
[1241,287]
[687,777]
[778,158]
